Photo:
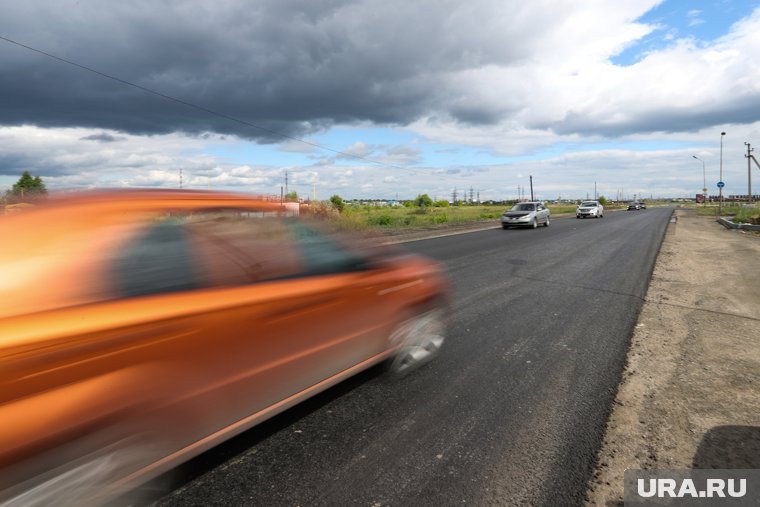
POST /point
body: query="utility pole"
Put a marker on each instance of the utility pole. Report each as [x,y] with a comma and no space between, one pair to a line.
[471,195]
[595,197]
[286,182]
[531,188]
[454,196]
[749,172]
[752,157]
[180,177]
[720,205]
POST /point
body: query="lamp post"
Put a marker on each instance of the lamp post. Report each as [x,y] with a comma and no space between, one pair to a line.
[720,206]
[704,179]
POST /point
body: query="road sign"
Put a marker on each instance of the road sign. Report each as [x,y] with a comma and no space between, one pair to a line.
[721,184]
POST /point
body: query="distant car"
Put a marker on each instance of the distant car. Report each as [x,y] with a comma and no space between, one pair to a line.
[642,205]
[139,329]
[634,206]
[590,209]
[526,214]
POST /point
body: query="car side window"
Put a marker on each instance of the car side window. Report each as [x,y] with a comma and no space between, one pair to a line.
[240,248]
[156,261]
[320,254]
[190,251]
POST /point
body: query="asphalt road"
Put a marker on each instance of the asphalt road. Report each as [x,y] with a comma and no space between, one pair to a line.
[512,411]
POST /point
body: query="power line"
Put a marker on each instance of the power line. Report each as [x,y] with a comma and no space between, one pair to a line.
[195,106]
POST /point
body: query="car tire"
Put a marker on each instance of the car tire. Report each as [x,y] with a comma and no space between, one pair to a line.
[505,227]
[534,225]
[420,339]
[578,217]
[546,224]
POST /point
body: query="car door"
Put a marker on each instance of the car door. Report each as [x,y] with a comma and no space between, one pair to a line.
[542,213]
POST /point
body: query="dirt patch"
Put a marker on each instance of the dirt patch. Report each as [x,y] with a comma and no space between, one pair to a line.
[690,395]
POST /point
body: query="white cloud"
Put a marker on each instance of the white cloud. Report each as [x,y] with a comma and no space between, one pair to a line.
[694,17]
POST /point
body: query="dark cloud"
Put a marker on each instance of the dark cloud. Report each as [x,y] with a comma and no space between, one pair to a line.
[102,137]
[14,164]
[669,120]
[293,67]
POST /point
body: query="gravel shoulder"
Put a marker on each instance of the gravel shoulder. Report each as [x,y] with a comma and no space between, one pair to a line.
[690,394]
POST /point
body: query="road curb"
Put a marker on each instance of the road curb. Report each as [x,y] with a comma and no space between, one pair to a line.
[728,224]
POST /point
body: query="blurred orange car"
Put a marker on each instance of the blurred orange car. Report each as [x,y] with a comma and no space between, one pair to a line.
[140,328]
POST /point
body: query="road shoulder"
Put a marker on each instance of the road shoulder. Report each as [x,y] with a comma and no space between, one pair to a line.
[690,392]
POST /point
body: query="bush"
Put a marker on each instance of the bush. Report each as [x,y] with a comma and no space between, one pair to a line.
[318,210]
[423,201]
[382,220]
[338,203]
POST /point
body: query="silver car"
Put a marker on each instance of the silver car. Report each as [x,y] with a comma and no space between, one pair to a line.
[526,214]
[590,209]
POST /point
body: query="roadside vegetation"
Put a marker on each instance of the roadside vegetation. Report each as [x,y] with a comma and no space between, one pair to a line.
[741,213]
[420,212]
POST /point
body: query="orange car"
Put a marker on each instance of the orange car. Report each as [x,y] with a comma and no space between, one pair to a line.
[140,328]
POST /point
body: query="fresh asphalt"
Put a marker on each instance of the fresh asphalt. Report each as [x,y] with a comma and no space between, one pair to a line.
[511,412]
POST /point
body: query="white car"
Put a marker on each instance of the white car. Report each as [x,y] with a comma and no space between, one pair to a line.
[590,209]
[526,214]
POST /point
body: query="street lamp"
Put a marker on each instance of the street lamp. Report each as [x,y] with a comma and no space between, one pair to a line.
[704,179]
[720,206]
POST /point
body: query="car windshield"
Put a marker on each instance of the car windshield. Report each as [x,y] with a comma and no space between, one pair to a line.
[589,204]
[523,207]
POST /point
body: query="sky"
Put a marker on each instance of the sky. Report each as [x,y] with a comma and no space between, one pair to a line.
[382,99]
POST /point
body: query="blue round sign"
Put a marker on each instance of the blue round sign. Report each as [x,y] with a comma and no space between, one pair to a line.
[721,184]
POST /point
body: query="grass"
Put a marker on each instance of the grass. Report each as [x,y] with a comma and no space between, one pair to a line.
[741,213]
[748,215]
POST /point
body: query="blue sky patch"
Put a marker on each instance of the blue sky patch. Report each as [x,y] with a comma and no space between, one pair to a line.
[703,21]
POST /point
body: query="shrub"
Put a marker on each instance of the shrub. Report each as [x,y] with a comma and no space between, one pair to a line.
[382,220]
[338,203]
[423,201]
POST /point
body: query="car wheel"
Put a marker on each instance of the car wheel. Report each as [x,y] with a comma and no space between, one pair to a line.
[88,480]
[578,217]
[503,226]
[420,339]
[534,225]
[546,224]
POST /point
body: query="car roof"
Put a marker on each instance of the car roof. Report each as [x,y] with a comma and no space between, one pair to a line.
[117,200]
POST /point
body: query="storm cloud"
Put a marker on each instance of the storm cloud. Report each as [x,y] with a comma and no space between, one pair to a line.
[291,67]
[394,91]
